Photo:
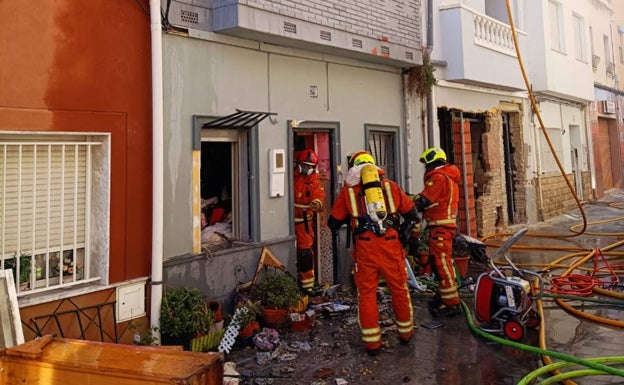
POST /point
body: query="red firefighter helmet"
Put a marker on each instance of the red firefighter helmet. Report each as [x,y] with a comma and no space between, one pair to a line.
[308,157]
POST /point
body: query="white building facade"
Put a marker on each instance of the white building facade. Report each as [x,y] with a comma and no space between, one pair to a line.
[248,84]
[511,173]
[605,19]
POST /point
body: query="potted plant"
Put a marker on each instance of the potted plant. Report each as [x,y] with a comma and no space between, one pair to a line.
[24,272]
[248,318]
[461,256]
[69,267]
[278,292]
[143,336]
[418,249]
[184,314]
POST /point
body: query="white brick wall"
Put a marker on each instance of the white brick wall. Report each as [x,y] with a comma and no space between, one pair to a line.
[398,20]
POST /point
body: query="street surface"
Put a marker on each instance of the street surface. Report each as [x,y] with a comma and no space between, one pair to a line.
[454,354]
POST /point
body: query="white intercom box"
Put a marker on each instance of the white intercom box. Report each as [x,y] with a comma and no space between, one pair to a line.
[277,171]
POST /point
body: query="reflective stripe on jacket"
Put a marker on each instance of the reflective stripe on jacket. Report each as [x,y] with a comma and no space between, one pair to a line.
[442,190]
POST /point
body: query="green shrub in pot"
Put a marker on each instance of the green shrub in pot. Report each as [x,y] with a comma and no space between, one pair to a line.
[278,290]
[184,313]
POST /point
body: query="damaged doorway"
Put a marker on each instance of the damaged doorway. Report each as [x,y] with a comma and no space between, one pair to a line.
[320,137]
[487,147]
[456,139]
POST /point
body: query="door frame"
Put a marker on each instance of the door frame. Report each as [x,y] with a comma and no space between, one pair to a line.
[333,129]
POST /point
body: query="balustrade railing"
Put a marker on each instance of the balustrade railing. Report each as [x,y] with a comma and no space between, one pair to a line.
[493,34]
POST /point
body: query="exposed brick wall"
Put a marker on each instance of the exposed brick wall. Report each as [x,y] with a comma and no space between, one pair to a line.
[556,196]
[397,20]
[587,188]
[490,174]
[491,206]
[519,163]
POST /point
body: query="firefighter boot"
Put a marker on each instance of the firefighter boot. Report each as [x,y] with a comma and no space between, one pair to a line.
[434,303]
[444,310]
[373,352]
[405,341]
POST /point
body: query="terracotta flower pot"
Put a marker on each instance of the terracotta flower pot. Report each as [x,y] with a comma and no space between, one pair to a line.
[215,307]
[462,266]
[252,328]
[274,318]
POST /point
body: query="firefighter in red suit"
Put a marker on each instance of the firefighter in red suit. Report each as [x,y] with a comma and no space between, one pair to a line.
[309,199]
[377,249]
[438,203]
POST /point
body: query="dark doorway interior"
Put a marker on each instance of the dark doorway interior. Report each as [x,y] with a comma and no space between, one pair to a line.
[216,191]
[216,175]
[508,151]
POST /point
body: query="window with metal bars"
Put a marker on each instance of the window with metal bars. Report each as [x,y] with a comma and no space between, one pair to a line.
[382,145]
[49,202]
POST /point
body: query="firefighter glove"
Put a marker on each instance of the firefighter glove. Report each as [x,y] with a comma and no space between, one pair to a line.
[412,215]
[405,230]
[315,205]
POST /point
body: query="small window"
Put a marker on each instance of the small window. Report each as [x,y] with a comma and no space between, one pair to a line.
[382,145]
[609,65]
[557,38]
[580,47]
[54,210]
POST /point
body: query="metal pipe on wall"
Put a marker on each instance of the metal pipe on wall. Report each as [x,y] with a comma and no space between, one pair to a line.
[408,132]
[429,94]
[157,167]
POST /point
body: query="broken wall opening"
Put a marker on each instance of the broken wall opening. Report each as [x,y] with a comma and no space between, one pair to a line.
[488,149]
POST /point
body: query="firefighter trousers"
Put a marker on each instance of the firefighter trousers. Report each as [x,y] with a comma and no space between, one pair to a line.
[305,268]
[440,250]
[374,256]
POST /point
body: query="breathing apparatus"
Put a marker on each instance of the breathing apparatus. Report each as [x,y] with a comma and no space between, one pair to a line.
[306,162]
[373,193]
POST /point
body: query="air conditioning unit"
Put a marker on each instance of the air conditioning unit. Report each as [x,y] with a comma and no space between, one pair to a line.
[608,107]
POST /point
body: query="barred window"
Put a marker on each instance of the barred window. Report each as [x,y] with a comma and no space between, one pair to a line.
[54,197]
[382,145]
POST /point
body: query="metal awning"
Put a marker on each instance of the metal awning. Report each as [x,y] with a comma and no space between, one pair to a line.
[239,119]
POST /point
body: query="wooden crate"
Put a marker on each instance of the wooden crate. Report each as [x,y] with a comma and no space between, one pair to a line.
[60,361]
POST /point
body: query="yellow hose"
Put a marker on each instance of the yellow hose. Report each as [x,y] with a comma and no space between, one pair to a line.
[584,254]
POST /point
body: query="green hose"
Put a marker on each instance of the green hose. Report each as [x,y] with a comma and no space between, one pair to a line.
[572,374]
[558,365]
[593,365]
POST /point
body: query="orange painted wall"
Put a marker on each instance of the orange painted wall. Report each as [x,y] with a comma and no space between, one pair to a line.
[68,65]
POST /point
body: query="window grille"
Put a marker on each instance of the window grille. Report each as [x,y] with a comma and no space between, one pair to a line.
[45,206]
[382,146]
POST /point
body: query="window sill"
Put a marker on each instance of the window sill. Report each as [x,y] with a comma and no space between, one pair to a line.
[55,293]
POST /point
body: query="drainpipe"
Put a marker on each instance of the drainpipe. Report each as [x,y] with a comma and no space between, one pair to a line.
[538,168]
[157,167]
[430,93]
[408,131]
